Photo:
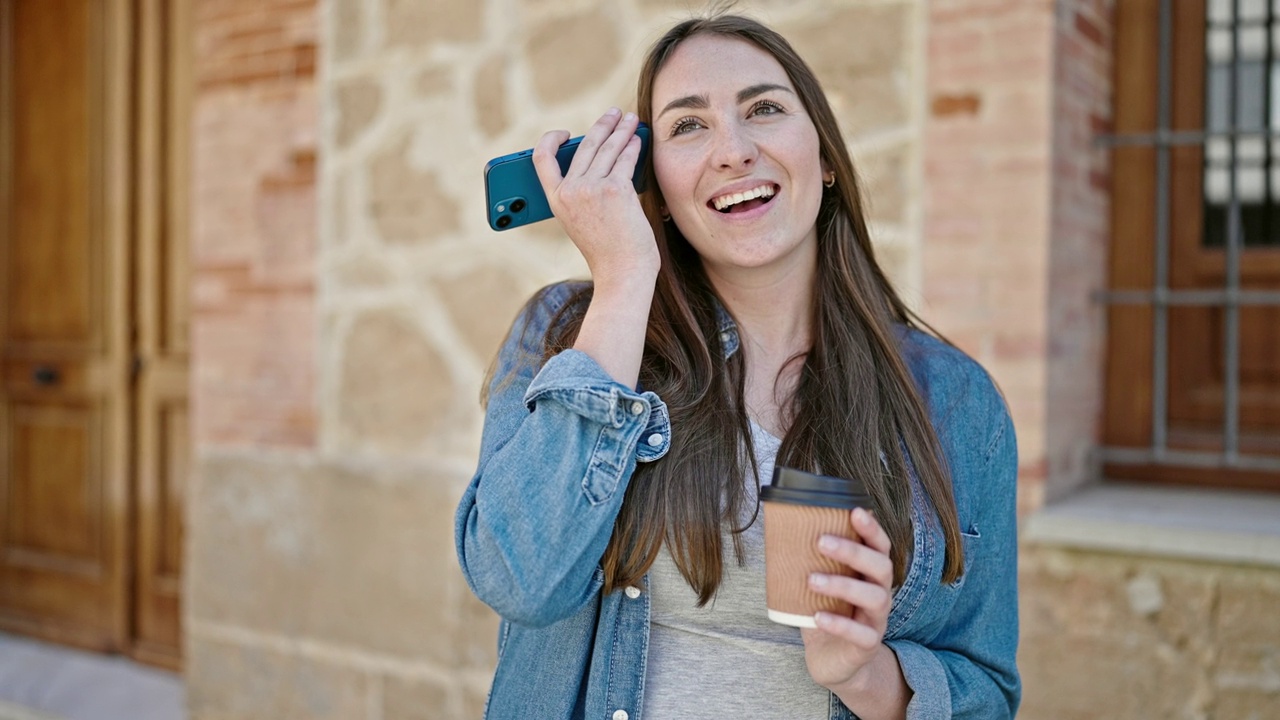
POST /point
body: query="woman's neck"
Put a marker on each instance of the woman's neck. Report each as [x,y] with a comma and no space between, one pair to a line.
[773,308]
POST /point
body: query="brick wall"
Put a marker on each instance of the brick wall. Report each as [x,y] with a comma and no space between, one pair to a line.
[254,223]
[987,168]
[1080,226]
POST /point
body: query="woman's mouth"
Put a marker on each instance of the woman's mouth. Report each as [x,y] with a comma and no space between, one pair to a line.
[743,201]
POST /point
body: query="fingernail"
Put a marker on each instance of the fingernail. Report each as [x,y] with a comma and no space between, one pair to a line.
[817,580]
[860,515]
[630,117]
[827,543]
[821,618]
[612,111]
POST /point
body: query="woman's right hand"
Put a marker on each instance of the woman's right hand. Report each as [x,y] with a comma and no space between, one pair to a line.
[596,202]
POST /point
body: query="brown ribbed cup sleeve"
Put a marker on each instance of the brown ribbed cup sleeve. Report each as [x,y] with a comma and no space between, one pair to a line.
[791,535]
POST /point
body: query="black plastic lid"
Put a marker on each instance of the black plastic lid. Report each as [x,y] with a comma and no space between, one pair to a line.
[801,488]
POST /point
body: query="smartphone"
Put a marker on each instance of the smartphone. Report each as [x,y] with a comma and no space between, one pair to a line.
[513,195]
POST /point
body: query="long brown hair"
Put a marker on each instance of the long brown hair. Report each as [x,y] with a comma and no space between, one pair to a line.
[855,411]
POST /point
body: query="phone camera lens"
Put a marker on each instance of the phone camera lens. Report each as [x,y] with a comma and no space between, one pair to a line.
[517,206]
[504,220]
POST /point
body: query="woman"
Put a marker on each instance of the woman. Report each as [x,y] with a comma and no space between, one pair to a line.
[735,318]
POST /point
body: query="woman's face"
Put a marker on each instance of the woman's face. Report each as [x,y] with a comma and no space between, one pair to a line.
[736,156]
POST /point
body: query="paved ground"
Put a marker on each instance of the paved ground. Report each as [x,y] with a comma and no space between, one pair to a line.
[39,681]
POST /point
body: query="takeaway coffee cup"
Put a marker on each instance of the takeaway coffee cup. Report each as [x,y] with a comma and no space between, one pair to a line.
[799,508]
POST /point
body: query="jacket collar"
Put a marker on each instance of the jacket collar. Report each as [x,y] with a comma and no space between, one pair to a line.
[727,328]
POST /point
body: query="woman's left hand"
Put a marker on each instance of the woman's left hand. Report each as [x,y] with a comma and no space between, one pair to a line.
[839,650]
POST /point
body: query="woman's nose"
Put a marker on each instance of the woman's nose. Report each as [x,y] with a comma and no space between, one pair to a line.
[734,148]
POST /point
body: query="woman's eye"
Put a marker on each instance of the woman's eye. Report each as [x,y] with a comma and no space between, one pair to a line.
[766,107]
[684,125]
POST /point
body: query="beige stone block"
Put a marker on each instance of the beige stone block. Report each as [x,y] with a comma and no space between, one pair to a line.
[1061,592]
[348,29]
[862,55]
[854,39]
[491,95]
[232,682]
[475,638]
[395,388]
[362,271]
[473,702]
[346,557]
[1070,677]
[1111,595]
[434,80]
[404,699]
[1246,704]
[868,103]
[1247,608]
[1132,634]
[895,260]
[359,101]
[886,184]
[418,22]
[482,305]
[408,204]
[571,55]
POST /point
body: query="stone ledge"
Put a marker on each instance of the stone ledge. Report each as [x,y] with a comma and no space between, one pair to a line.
[1215,525]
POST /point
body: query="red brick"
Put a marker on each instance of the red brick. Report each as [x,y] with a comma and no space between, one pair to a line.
[946,105]
[1090,30]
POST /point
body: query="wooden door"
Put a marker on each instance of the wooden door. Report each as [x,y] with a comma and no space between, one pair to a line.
[1200,181]
[1197,361]
[93,321]
[64,345]
[161,314]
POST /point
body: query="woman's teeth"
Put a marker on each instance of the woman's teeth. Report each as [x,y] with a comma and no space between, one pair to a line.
[725,202]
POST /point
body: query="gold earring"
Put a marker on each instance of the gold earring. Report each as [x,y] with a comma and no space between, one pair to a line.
[830,181]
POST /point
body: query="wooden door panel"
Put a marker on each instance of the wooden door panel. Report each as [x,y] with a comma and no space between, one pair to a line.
[165,433]
[63,342]
[175,464]
[162,437]
[54,496]
[1131,265]
[50,173]
[59,571]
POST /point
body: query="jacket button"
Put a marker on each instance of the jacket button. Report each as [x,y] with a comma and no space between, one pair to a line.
[632,592]
[637,407]
[655,440]
[619,715]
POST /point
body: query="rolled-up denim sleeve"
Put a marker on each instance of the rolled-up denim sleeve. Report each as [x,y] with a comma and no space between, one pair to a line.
[969,670]
[560,444]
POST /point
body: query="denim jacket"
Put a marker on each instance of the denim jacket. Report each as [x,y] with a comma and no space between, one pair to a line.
[560,444]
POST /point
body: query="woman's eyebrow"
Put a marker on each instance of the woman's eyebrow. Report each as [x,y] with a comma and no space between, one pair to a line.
[700,102]
[693,102]
[747,93]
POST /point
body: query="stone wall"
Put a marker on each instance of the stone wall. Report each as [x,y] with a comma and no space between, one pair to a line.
[1127,638]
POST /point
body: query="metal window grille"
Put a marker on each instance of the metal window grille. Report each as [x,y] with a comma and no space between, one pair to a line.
[1239,131]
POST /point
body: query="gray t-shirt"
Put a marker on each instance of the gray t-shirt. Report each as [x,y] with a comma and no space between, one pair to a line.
[726,659]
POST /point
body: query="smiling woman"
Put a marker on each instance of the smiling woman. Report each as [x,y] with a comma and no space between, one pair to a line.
[736,319]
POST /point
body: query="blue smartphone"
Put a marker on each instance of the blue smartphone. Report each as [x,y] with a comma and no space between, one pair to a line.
[513,194]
